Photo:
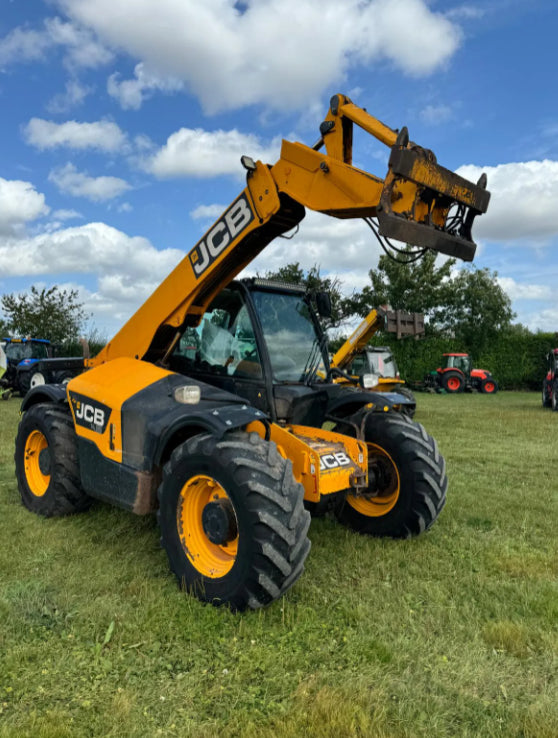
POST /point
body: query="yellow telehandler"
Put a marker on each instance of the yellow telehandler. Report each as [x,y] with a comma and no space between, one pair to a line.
[208,407]
[375,366]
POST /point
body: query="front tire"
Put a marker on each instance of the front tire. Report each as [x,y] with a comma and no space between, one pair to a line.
[411,483]
[489,386]
[232,520]
[554,396]
[46,461]
[408,410]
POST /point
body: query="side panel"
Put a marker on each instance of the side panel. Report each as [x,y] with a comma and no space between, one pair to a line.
[96,398]
[125,414]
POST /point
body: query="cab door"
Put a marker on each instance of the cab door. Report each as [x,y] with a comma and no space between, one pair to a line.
[223,351]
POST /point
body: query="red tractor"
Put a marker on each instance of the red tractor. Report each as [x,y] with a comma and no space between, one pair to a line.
[550,382]
[458,375]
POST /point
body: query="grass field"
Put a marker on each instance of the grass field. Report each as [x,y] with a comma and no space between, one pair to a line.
[451,634]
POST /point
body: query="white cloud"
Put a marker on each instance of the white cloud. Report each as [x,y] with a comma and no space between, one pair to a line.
[198,153]
[19,204]
[95,248]
[66,214]
[131,93]
[343,248]
[436,114]
[518,291]
[80,184]
[23,45]
[127,268]
[465,12]
[81,47]
[74,95]
[102,135]
[207,212]
[264,52]
[523,201]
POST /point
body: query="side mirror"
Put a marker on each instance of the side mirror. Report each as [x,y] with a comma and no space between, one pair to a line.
[323,304]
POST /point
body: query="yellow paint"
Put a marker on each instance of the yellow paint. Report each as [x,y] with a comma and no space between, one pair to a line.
[112,384]
[304,446]
[371,324]
[210,559]
[36,481]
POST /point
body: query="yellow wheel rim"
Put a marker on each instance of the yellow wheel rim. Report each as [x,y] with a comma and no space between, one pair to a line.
[37,481]
[210,559]
[387,498]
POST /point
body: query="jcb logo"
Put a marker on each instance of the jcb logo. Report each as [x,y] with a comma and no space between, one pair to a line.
[90,414]
[334,461]
[227,228]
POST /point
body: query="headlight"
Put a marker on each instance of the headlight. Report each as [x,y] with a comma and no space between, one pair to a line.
[369,380]
[188,394]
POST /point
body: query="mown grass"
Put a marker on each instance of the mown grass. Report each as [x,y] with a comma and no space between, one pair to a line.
[454,633]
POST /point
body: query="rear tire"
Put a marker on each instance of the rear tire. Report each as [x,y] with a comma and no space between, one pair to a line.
[256,546]
[412,474]
[46,461]
[453,382]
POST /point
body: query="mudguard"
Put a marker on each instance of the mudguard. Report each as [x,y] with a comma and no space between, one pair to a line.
[344,401]
[44,393]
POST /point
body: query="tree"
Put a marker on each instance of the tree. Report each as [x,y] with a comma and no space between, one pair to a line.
[51,313]
[418,287]
[468,305]
[479,310]
[313,282]
[4,330]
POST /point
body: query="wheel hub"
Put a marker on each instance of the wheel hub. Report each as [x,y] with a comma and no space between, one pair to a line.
[219,522]
[45,461]
[381,480]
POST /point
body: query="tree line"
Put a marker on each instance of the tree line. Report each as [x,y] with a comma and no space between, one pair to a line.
[467,306]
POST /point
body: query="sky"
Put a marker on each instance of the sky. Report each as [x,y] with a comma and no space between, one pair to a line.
[122,123]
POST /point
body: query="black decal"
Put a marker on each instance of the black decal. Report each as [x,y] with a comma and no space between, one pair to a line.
[222,234]
[89,413]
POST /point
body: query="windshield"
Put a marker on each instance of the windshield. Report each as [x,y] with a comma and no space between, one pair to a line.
[26,350]
[290,336]
[382,363]
[18,351]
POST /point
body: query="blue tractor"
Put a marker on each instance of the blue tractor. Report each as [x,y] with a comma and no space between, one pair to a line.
[22,358]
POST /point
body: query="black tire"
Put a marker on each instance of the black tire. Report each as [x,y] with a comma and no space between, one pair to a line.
[408,410]
[554,396]
[489,386]
[453,382]
[46,461]
[546,400]
[263,507]
[24,382]
[412,474]
[63,377]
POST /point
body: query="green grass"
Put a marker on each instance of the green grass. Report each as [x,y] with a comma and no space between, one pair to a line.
[454,633]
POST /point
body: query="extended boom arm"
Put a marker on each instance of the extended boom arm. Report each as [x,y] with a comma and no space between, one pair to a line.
[412,204]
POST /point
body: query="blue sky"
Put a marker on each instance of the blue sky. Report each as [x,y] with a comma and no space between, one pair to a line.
[122,123]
